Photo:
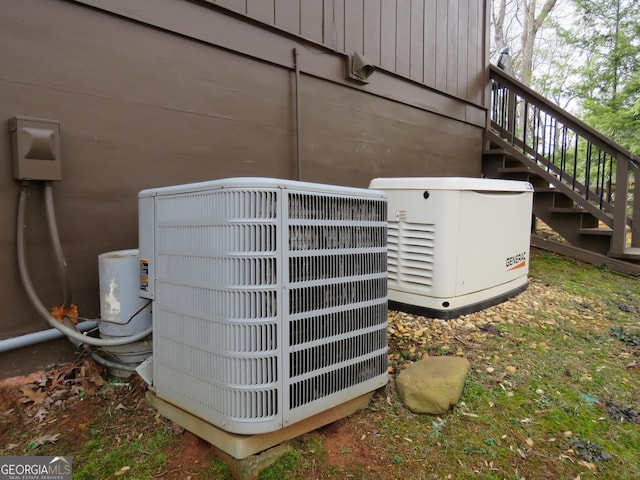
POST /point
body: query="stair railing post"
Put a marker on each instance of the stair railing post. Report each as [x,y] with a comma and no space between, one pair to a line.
[512,108]
[635,209]
[618,237]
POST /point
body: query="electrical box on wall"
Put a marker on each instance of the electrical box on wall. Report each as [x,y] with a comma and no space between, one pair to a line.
[35,145]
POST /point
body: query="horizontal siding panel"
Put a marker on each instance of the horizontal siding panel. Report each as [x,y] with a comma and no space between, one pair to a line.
[356,136]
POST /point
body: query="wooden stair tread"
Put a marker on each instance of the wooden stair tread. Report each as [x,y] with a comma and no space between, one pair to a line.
[632,253]
[567,210]
[494,151]
[521,169]
[595,231]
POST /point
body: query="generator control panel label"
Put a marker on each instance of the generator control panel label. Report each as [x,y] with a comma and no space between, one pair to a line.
[401,215]
[144,275]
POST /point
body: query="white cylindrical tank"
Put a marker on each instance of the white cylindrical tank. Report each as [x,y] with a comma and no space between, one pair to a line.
[124,312]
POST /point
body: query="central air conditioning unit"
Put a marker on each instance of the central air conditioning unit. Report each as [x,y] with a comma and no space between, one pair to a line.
[269,298]
[456,245]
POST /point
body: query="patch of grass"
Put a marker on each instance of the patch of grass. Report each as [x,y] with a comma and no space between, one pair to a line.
[286,464]
[140,458]
[217,469]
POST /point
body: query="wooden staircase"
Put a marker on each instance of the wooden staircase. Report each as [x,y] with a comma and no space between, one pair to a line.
[577,173]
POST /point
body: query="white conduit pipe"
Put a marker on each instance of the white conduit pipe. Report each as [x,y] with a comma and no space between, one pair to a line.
[42,336]
[37,304]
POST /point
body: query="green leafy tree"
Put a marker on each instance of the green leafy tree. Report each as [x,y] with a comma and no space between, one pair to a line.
[605,36]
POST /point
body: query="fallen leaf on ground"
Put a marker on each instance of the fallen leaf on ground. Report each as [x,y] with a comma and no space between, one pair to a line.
[31,395]
[41,414]
[122,471]
[36,442]
[589,465]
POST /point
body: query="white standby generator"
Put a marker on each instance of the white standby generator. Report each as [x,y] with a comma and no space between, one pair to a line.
[456,245]
[269,298]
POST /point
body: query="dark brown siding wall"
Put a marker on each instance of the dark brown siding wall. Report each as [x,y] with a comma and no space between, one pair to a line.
[188,92]
[439,43]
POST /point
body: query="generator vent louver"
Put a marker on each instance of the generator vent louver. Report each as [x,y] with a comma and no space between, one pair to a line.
[411,253]
[269,298]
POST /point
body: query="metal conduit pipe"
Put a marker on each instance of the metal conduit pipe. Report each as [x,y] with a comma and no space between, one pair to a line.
[110,364]
[72,333]
[57,246]
[296,67]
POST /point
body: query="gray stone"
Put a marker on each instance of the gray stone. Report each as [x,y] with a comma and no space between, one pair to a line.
[249,468]
[433,385]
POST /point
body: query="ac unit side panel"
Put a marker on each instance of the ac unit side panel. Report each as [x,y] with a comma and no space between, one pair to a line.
[217,325]
[336,300]
[146,245]
[237,410]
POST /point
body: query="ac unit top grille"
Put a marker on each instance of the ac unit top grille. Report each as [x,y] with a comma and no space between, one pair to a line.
[217,206]
[308,206]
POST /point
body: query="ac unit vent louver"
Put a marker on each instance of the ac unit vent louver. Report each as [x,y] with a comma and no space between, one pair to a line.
[269,298]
